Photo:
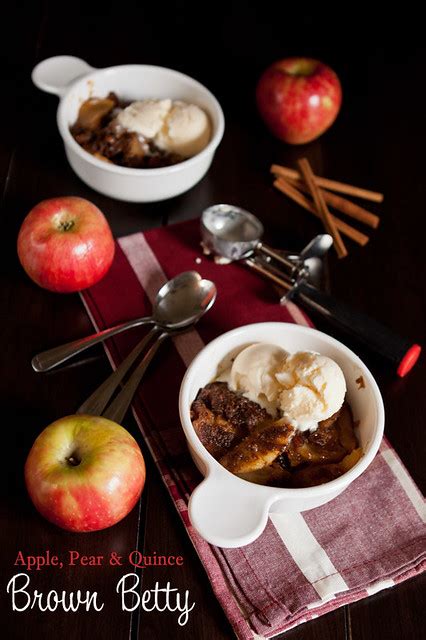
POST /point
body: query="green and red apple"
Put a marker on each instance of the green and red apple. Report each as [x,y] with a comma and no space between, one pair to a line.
[84,473]
[298,98]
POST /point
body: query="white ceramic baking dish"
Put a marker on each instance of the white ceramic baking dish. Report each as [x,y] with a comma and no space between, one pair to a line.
[230,512]
[74,81]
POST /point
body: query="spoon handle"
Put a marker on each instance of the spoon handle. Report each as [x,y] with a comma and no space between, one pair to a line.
[53,357]
[96,403]
[118,408]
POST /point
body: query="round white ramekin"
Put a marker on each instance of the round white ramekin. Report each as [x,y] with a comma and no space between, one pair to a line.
[74,81]
[230,512]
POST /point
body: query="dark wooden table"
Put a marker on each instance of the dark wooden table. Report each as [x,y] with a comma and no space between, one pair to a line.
[377,142]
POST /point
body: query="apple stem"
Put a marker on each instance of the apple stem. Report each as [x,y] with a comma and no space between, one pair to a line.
[66,225]
[73,460]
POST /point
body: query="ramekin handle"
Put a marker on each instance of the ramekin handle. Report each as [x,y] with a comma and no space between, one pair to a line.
[54,75]
[228,514]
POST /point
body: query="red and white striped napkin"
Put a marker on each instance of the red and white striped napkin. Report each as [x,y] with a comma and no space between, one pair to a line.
[369,538]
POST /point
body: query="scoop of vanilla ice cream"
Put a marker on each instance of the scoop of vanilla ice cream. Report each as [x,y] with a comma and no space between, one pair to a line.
[176,127]
[145,117]
[253,373]
[186,130]
[313,388]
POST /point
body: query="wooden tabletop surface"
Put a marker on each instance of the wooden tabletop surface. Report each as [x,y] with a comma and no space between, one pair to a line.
[377,142]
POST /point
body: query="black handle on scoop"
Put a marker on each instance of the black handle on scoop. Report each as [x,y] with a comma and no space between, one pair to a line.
[400,351]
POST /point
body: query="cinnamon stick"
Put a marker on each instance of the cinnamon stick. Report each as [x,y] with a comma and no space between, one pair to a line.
[321,207]
[333,185]
[343,205]
[285,187]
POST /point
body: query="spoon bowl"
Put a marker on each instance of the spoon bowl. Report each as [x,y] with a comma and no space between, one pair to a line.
[183,300]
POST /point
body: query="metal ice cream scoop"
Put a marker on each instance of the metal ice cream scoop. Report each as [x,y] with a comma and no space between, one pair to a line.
[235,234]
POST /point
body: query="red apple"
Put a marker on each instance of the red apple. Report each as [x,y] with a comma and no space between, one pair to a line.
[84,473]
[65,244]
[298,98]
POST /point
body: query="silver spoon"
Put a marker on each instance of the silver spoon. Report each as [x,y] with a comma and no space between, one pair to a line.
[185,306]
[171,310]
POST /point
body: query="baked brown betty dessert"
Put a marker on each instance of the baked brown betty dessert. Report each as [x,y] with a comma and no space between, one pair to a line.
[270,449]
[144,134]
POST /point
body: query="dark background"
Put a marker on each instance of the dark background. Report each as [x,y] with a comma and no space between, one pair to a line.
[377,142]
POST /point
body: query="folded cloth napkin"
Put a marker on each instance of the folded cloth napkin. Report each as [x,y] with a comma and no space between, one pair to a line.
[369,538]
